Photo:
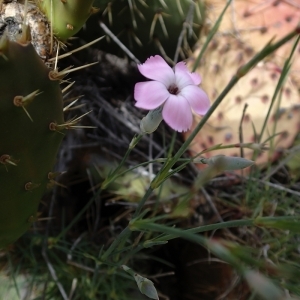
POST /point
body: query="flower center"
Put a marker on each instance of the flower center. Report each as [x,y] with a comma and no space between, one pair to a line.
[173,89]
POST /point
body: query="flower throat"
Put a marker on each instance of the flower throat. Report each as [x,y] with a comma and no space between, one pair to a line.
[173,89]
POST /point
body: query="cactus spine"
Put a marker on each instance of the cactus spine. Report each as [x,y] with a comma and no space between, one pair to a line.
[149,27]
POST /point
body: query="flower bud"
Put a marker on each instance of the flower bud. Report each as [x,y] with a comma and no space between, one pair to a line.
[263,286]
[146,286]
[150,123]
[230,163]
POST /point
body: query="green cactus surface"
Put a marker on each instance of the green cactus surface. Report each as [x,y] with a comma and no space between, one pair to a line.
[67,16]
[148,27]
[29,102]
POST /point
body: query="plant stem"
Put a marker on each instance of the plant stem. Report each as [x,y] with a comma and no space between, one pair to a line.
[82,211]
[120,238]
[146,225]
[157,227]
[142,202]
[115,174]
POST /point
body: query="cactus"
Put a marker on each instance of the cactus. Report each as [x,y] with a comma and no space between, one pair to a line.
[148,27]
[255,23]
[225,55]
[29,104]
[31,108]
[67,17]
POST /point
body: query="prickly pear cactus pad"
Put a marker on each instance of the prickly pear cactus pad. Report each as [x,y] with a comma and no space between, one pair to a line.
[67,16]
[253,24]
[221,61]
[257,22]
[148,27]
[29,103]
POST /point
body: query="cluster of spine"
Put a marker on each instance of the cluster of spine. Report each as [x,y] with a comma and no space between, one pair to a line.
[149,27]
[31,105]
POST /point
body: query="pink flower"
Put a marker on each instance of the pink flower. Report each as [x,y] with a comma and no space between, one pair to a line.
[177,90]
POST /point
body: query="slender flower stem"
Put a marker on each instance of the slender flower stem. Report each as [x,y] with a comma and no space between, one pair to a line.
[78,216]
[115,174]
[142,202]
[120,238]
[175,233]
[284,73]
[125,234]
[211,34]
[143,225]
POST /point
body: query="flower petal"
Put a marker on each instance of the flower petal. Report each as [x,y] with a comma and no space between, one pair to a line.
[196,78]
[156,68]
[182,76]
[197,99]
[177,113]
[150,95]
[181,66]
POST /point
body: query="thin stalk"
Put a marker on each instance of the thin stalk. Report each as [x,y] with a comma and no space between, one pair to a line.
[212,227]
[148,225]
[281,81]
[114,174]
[125,234]
[82,211]
[120,238]
[210,36]
[142,202]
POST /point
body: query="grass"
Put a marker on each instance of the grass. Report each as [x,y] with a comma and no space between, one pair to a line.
[78,266]
[142,203]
